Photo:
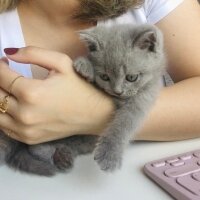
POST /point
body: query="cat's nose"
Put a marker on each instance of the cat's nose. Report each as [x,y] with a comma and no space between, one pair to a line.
[118,93]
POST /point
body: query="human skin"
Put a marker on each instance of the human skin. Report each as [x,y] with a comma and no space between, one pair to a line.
[176,114]
[36,122]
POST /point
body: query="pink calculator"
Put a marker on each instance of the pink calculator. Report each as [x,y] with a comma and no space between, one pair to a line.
[179,175]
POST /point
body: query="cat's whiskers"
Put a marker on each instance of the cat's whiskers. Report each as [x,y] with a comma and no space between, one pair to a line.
[132,92]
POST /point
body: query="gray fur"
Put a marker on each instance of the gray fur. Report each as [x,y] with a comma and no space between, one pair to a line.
[114,53]
[44,159]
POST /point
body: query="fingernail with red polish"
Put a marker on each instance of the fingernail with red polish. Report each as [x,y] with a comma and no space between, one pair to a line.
[11,51]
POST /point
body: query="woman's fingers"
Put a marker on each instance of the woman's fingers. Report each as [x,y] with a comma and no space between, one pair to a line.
[8,122]
[54,61]
[13,108]
[6,78]
[11,134]
[5,60]
[50,60]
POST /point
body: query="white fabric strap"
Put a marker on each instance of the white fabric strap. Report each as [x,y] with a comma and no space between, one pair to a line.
[155,10]
[11,36]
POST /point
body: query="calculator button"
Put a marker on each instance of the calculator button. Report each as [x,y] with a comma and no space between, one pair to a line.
[182,170]
[189,184]
[159,164]
[172,160]
[176,164]
[198,162]
[185,157]
[196,176]
[197,154]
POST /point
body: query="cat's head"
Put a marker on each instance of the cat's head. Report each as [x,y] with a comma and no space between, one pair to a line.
[125,58]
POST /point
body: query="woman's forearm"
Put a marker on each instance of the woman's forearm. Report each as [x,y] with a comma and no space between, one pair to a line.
[98,114]
[175,115]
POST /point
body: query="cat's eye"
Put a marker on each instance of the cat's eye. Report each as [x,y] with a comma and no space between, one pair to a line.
[132,78]
[104,77]
[92,47]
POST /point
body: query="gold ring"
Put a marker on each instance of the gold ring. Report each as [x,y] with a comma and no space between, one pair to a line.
[4,104]
[12,83]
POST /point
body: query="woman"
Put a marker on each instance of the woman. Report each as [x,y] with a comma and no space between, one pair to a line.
[62,104]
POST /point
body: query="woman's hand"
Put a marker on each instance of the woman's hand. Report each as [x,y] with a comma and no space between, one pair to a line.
[61,105]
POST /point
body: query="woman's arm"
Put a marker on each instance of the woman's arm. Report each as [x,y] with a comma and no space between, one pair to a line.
[64,104]
[61,105]
[176,114]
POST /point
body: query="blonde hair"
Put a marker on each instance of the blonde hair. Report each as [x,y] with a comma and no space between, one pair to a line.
[8,5]
[90,10]
[94,10]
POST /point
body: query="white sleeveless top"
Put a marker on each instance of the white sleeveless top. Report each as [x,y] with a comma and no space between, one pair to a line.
[11,33]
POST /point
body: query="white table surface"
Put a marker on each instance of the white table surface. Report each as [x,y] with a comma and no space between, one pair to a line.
[87,182]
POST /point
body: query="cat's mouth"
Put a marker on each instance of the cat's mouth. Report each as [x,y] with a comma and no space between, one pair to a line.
[127,94]
[119,96]
[123,95]
[113,94]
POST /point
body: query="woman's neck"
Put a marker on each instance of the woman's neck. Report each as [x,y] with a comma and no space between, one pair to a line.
[58,13]
[40,29]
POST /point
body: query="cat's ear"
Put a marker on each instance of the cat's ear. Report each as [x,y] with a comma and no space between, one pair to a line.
[90,40]
[147,40]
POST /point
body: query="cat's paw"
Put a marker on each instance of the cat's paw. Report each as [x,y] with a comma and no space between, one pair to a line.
[63,159]
[84,69]
[42,152]
[107,156]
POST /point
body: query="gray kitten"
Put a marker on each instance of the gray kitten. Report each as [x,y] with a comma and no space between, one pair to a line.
[126,62]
